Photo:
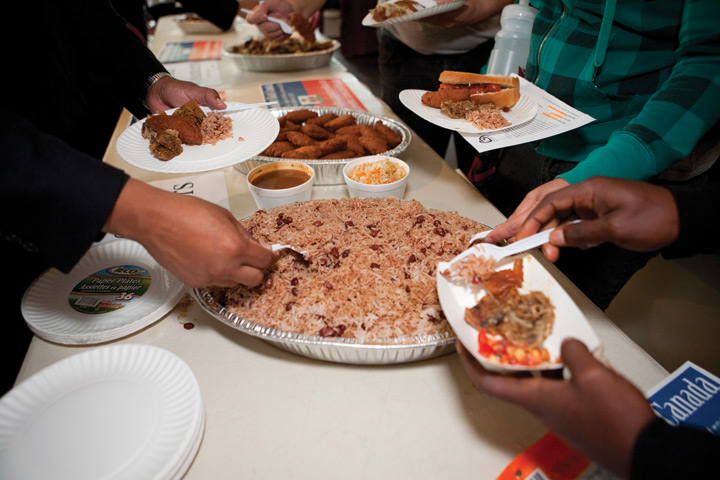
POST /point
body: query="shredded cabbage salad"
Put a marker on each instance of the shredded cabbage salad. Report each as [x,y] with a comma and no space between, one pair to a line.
[377,173]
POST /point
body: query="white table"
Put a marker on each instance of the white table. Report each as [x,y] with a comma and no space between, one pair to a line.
[274,415]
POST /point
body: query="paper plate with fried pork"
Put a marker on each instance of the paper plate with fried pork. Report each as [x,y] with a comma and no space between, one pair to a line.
[397,11]
[511,315]
[192,139]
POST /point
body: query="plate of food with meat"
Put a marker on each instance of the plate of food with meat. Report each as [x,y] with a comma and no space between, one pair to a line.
[397,11]
[472,102]
[511,315]
[192,139]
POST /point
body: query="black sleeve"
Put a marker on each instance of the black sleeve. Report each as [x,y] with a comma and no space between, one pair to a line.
[55,199]
[666,452]
[699,221]
[219,12]
[118,59]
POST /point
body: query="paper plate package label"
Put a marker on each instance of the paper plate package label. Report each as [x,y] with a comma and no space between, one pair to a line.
[110,289]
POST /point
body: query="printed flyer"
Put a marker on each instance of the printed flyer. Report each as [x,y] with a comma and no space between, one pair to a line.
[688,397]
[327,92]
[553,118]
[191,51]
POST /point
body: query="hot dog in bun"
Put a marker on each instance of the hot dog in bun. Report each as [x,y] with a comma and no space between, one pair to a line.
[498,90]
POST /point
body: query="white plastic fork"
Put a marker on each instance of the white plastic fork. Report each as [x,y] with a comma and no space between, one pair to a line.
[247,106]
[287,29]
[277,246]
[527,243]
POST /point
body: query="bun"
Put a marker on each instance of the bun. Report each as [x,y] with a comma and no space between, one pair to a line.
[466,78]
[505,98]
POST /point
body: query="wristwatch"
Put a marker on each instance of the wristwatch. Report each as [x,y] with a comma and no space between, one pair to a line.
[149,83]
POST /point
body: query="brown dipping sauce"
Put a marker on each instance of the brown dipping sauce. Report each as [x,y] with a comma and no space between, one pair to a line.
[281,178]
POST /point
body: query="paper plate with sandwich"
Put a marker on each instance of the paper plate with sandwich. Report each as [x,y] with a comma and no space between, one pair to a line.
[472,102]
[510,314]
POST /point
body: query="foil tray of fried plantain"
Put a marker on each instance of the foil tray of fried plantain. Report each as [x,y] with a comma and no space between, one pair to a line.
[330,172]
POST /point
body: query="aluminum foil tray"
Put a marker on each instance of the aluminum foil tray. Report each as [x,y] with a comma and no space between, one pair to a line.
[334,349]
[329,172]
[282,62]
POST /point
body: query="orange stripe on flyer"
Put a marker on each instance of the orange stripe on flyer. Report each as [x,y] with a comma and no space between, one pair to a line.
[551,116]
[564,114]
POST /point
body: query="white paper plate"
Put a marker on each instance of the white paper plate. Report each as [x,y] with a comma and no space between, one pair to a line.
[256,127]
[196,25]
[119,411]
[46,305]
[456,296]
[431,8]
[522,112]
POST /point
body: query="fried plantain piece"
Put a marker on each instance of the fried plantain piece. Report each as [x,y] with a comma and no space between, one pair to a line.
[341,121]
[300,116]
[393,138]
[299,139]
[314,131]
[276,149]
[304,153]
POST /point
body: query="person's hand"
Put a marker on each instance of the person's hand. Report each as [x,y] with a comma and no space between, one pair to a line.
[633,215]
[280,9]
[169,92]
[508,229]
[597,411]
[473,12]
[199,242]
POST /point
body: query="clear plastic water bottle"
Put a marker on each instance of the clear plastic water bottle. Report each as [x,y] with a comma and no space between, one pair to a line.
[512,42]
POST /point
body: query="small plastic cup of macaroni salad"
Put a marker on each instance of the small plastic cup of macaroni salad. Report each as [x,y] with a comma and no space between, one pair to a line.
[376,176]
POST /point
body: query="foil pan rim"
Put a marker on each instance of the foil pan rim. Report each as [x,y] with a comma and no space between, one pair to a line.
[336,349]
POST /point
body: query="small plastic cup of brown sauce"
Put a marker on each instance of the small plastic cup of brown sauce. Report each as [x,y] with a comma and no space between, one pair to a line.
[279,183]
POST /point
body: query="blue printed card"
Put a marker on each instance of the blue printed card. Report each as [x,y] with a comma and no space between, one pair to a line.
[689,396]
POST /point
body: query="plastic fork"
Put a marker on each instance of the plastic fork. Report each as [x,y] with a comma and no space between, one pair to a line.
[287,29]
[278,246]
[246,107]
[479,236]
[527,243]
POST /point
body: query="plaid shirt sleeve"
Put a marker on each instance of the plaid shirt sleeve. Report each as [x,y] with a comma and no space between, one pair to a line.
[663,60]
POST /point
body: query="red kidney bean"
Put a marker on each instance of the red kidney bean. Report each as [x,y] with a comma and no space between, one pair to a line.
[329,332]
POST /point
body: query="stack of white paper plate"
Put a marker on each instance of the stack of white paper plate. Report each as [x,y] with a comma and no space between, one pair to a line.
[116,289]
[119,411]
